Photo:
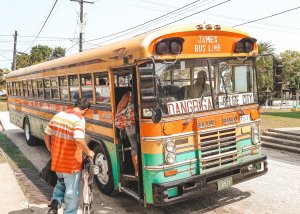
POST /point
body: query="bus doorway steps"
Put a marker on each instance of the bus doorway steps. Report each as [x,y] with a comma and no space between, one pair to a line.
[127,177]
[130,192]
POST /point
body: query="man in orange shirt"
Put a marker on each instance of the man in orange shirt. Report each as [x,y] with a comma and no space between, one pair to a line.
[64,138]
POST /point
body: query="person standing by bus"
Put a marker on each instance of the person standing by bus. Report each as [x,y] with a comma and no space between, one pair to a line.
[64,138]
[126,105]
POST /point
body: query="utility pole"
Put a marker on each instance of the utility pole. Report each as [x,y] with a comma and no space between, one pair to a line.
[14,64]
[81,21]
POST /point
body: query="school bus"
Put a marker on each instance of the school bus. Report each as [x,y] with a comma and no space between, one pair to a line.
[189,144]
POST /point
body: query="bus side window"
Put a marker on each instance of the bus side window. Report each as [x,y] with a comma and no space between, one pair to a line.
[25,88]
[35,88]
[54,89]
[102,87]
[17,89]
[73,87]
[86,86]
[63,88]
[40,88]
[29,84]
[47,88]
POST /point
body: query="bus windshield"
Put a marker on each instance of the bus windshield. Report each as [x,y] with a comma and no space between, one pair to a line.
[194,85]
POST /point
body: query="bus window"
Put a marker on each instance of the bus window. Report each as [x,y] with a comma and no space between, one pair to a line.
[40,88]
[122,80]
[73,87]
[102,88]
[54,89]
[35,89]
[86,86]
[17,89]
[63,88]
[10,88]
[24,88]
[47,88]
[29,85]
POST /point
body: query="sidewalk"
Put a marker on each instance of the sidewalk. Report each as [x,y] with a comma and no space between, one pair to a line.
[12,197]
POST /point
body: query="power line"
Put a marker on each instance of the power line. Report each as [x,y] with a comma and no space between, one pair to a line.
[276,14]
[173,21]
[152,20]
[43,25]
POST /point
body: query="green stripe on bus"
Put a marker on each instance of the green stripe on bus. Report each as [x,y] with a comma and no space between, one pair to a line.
[157,176]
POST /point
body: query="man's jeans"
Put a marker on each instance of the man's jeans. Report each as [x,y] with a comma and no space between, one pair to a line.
[67,190]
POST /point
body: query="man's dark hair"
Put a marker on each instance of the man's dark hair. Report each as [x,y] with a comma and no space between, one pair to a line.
[82,103]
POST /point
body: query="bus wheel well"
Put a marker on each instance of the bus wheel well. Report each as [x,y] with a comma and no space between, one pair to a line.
[24,120]
[104,179]
[93,143]
[30,139]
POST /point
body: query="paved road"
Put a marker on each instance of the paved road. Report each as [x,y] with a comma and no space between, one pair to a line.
[276,192]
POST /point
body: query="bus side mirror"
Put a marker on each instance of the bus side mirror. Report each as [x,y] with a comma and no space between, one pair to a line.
[156,115]
[148,88]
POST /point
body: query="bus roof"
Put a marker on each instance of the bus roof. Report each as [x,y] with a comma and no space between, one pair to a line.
[137,45]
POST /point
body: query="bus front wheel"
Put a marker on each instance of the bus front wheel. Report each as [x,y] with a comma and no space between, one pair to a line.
[104,177]
[30,139]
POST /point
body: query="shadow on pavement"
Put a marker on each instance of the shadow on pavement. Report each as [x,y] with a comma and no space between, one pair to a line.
[203,204]
[35,210]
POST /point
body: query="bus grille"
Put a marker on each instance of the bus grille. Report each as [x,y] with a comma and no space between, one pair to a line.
[218,148]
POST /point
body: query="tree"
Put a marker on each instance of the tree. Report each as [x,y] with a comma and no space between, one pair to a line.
[265,66]
[23,60]
[291,65]
[58,52]
[3,73]
[40,53]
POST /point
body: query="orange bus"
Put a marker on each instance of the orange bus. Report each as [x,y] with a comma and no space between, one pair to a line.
[195,107]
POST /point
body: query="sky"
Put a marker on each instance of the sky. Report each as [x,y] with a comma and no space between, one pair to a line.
[106,17]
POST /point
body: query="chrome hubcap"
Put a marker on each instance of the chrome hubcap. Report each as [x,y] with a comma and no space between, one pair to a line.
[102,174]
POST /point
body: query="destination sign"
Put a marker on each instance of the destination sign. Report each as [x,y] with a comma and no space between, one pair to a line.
[235,100]
[189,106]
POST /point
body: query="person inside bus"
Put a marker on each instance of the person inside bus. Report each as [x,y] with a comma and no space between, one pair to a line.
[64,138]
[200,87]
[126,105]
[102,81]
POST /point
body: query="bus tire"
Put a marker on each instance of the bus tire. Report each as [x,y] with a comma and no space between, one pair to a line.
[30,139]
[104,179]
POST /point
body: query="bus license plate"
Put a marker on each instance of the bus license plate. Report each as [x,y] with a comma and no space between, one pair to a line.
[224,183]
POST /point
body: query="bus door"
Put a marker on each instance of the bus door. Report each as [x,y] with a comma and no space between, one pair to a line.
[125,85]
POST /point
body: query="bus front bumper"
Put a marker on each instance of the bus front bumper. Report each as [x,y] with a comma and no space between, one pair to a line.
[207,182]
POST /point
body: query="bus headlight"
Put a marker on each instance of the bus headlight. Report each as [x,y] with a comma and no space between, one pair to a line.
[255,134]
[170,151]
[170,145]
[170,158]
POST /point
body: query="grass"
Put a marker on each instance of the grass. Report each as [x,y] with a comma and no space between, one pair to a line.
[13,154]
[279,118]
